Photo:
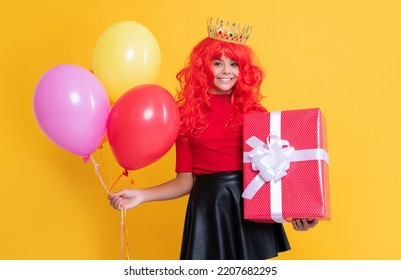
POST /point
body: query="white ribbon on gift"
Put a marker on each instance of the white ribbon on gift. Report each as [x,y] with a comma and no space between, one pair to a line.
[272,159]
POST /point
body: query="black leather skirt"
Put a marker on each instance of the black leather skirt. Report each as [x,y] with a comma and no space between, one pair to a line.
[215,228]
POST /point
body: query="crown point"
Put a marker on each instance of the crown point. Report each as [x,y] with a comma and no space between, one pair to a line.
[225,33]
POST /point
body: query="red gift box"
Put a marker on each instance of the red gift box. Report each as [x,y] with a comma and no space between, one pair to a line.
[285,166]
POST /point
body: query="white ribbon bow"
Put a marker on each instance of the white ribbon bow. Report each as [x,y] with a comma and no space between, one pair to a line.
[272,159]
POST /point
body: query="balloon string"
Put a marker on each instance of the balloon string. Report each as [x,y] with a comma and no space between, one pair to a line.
[124,234]
[123,223]
[100,148]
[95,165]
[125,173]
[123,227]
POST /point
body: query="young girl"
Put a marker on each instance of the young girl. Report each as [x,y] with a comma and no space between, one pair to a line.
[219,83]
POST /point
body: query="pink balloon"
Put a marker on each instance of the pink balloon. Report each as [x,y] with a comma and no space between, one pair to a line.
[71,107]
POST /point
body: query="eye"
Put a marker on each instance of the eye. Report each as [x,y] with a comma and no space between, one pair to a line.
[234,64]
[216,62]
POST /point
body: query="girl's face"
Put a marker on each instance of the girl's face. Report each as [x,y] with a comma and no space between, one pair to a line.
[225,73]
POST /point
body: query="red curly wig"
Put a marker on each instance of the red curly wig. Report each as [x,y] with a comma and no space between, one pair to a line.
[196,80]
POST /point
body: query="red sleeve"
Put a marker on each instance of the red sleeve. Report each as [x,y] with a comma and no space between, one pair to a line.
[183,156]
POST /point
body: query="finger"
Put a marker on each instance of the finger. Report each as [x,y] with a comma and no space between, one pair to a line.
[301,224]
[305,224]
[314,223]
[115,202]
[122,192]
[116,194]
[112,204]
[112,199]
[119,203]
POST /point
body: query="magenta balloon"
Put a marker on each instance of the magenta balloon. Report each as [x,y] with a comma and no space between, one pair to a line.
[72,108]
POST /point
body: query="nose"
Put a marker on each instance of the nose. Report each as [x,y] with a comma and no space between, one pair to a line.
[226,69]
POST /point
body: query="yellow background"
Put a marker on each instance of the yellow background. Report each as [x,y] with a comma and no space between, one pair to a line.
[342,56]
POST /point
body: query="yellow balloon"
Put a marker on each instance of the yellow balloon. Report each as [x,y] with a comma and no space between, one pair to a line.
[126,55]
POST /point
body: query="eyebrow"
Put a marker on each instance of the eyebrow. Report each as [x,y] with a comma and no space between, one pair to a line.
[219,59]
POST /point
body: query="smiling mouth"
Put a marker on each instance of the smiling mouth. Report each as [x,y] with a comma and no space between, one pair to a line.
[225,79]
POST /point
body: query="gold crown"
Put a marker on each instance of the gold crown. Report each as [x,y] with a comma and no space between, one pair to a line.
[227,33]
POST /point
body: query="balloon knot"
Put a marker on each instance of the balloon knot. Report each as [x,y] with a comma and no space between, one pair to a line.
[86,158]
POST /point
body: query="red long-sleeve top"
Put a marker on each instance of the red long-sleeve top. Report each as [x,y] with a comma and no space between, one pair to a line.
[217,149]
